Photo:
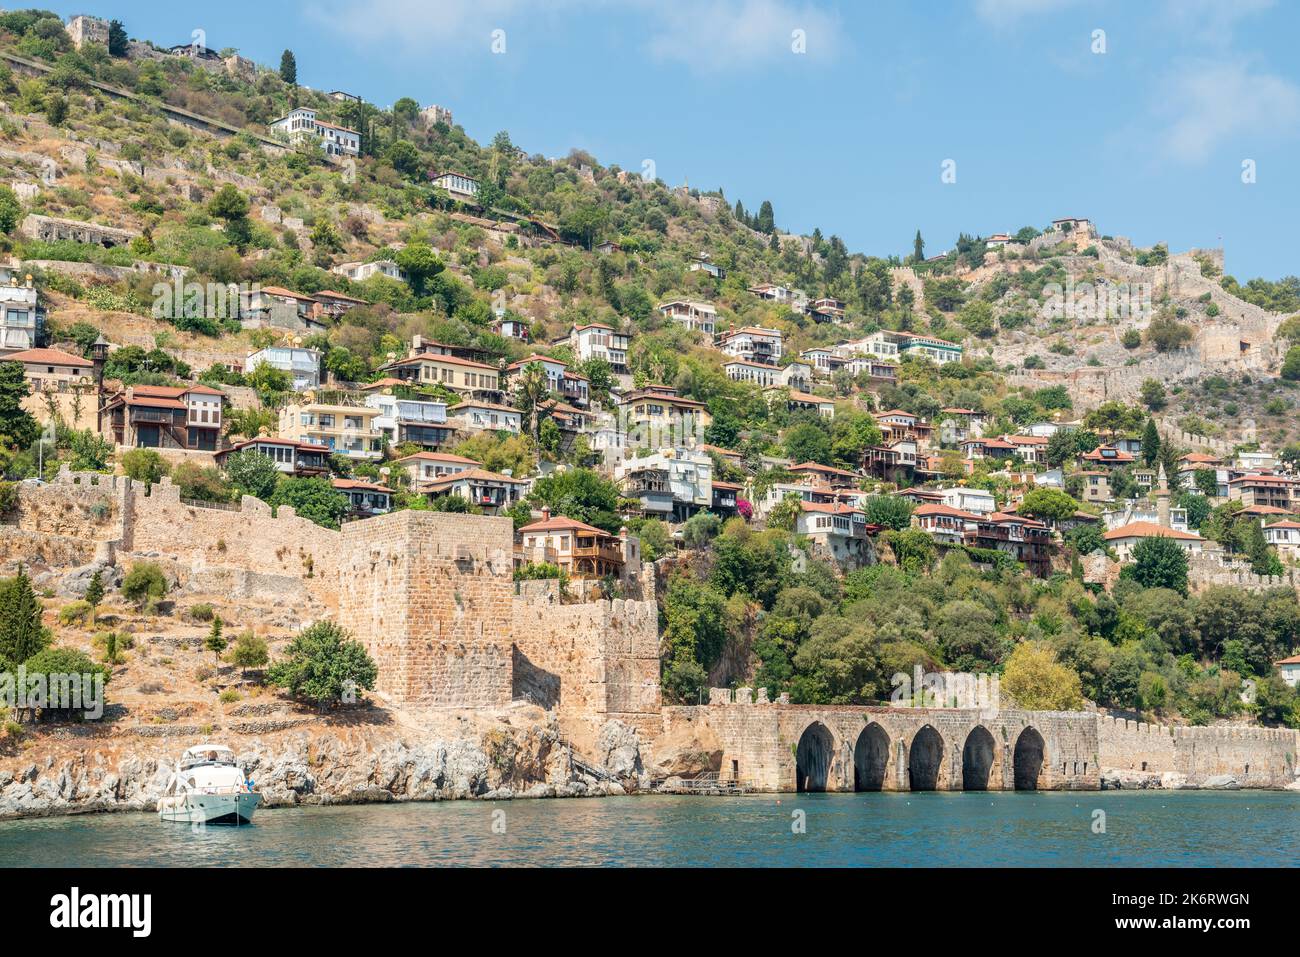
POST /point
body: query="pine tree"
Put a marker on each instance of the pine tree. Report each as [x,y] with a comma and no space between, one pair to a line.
[94,594]
[289,68]
[216,641]
[116,39]
[1150,443]
[21,632]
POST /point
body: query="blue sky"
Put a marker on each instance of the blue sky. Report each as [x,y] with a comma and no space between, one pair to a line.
[1147,138]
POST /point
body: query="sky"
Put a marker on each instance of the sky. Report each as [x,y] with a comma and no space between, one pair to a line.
[1146,117]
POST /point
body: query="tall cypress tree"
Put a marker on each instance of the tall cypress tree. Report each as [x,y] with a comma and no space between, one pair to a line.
[289,68]
[1150,443]
[116,39]
[21,632]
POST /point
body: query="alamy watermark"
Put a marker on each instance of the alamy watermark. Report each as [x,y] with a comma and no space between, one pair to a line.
[945,689]
[1087,301]
[53,691]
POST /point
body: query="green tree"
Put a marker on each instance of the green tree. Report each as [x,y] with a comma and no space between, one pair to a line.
[17,427]
[252,473]
[1150,443]
[324,666]
[21,633]
[94,593]
[918,248]
[807,442]
[1160,562]
[403,157]
[144,465]
[784,515]
[144,584]
[579,494]
[1291,365]
[289,68]
[231,206]
[420,264]
[249,651]
[116,39]
[314,499]
[1206,481]
[1153,394]
[11,210]
[913,549]
[1036,681]
[889,511]
[216,641]
[1048,504]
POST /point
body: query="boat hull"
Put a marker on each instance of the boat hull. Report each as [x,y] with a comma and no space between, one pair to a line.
[210,808]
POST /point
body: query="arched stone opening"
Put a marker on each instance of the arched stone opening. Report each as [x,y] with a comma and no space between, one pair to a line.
[812,758]
[870,756]
[977,759]
[1028,759]
[925,759]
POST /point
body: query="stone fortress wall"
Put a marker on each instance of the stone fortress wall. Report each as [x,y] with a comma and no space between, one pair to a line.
[1255,757]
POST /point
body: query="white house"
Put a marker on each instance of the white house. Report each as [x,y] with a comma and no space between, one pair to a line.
[1284,536]
[1127,537]
[752,343]
[977,500]
[425,467]
[1289,669]
[302,124]
[689,473]
[596,340]
[418,421]
[358,272]
[21,319]
[695,316]
[458,185]
[303,365]
[477,416]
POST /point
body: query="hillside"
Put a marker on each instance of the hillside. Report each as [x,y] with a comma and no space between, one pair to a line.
[179,152]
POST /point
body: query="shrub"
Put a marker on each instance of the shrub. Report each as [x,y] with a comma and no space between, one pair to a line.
[144,584]
[75,613]
[201,612]
[144,465]
[324,665]
[249,651]
[229,696]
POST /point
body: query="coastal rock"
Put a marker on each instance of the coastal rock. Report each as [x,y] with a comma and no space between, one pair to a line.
[1124,779]
[686,751]
[619,749]
[1221,782]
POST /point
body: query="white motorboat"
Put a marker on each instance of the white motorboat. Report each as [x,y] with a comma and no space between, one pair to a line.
[208,787]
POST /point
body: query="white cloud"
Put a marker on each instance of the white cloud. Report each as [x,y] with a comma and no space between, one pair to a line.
[1003,12]
[717,35]
[704,35]
[1211,21]
[1206,104]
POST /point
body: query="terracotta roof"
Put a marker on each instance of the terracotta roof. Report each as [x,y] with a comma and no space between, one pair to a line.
[384,383]
[1025,439]
[48,357]
[484,405]
[1264,510]
[1261,479]
[535,357]
[1199,457]
[281,291]
[837,508]
[357,485]
[1000,517]
[808,397]
[440,457]
[1283,524]
[1293,660]
[1148,530]
[438,357]
[332,294]
[469,475]
[946,510]
[818,467]
[563,524]
[881,415]
[730,486]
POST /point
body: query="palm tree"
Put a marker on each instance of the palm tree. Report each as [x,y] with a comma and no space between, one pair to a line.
[531,395]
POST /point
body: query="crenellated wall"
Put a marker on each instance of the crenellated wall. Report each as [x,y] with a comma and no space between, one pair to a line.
[1256,757]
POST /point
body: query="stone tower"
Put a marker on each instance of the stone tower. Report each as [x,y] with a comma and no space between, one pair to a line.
[1162,497]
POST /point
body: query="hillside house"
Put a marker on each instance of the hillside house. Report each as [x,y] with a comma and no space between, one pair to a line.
[360,272]
[700,317]
[839,532]
[166,417]
[22,319]
[303,125]
[1127,537]
[345,429]
[475,416]
[1265,488]
[53,370]
[364,498]
[752,344]
[580,550]
[415,421]
[459,186]
[492,492]
[303,365]
[425,467]
[595,340]
[475,380]
[299,459]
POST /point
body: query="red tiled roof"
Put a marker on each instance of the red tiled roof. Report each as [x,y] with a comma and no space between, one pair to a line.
[437,357]
[945,510]
[440,457]
[48,357]
[1293,660]
[562,524]
[357,485]
[469,475]
[1148,530]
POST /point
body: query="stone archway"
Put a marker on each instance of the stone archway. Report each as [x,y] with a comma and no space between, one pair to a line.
[870,756]
[1027,760]
[812,758]
[977,759]
[924,760]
